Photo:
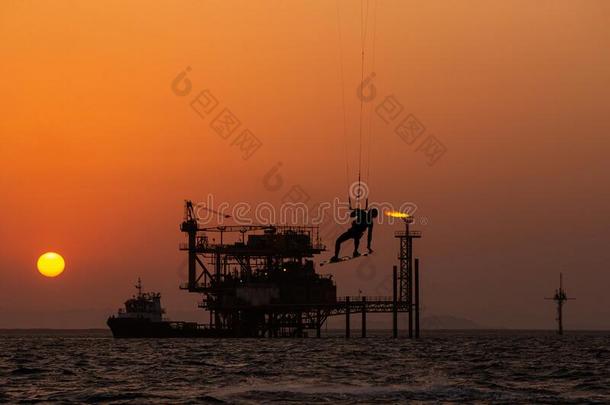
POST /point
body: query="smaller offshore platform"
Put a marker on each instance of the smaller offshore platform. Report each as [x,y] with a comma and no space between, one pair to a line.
[560,298]
[260,280]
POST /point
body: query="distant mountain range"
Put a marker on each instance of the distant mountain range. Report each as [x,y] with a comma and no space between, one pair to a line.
[448,322]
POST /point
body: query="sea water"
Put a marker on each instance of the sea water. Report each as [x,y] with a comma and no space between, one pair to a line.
[478,366]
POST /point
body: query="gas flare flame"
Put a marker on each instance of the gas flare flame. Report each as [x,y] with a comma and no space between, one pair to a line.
[397,214]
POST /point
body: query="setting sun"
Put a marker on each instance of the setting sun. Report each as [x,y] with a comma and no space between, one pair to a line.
[51,264]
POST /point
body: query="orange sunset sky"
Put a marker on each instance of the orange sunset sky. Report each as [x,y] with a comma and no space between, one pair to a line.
[98,153]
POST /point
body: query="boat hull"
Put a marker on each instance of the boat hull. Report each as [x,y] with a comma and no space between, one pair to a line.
[145,328]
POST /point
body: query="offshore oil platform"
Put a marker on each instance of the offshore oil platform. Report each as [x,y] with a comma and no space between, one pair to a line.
[260,281]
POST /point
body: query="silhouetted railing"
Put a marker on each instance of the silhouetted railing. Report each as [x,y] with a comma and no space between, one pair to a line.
[357,298]
[414,234]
